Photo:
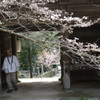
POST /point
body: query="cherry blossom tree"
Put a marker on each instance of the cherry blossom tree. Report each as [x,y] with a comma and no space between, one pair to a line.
[27,14]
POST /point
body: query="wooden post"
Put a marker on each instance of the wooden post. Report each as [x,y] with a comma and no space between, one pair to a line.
[14,48]
[66,76]
[0,69]
[4,45]
[64,58]
[29,52]
[14,44]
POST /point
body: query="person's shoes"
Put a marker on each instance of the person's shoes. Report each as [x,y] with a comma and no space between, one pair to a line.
[9,91]
[16,88]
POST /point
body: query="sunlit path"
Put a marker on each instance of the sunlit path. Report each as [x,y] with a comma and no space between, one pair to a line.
[50,79]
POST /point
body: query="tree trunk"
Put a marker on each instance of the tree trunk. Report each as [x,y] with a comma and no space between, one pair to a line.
[29,52]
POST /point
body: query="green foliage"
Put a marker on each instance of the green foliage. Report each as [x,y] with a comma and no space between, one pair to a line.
[23,55]
[85,98]
[99,73]
[82,98]
[36,48]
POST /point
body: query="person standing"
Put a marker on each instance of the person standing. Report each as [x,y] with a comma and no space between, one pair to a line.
[11,67]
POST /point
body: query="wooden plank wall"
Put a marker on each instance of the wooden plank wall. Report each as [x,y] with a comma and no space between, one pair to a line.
[88,34]
[4,45]
[80,8]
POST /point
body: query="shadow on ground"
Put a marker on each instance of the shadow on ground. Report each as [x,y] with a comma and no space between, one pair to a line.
[42,90]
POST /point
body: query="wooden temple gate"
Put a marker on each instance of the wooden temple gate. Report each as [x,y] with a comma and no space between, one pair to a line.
[80,8]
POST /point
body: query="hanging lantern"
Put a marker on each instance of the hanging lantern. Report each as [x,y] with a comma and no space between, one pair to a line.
[18,46]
